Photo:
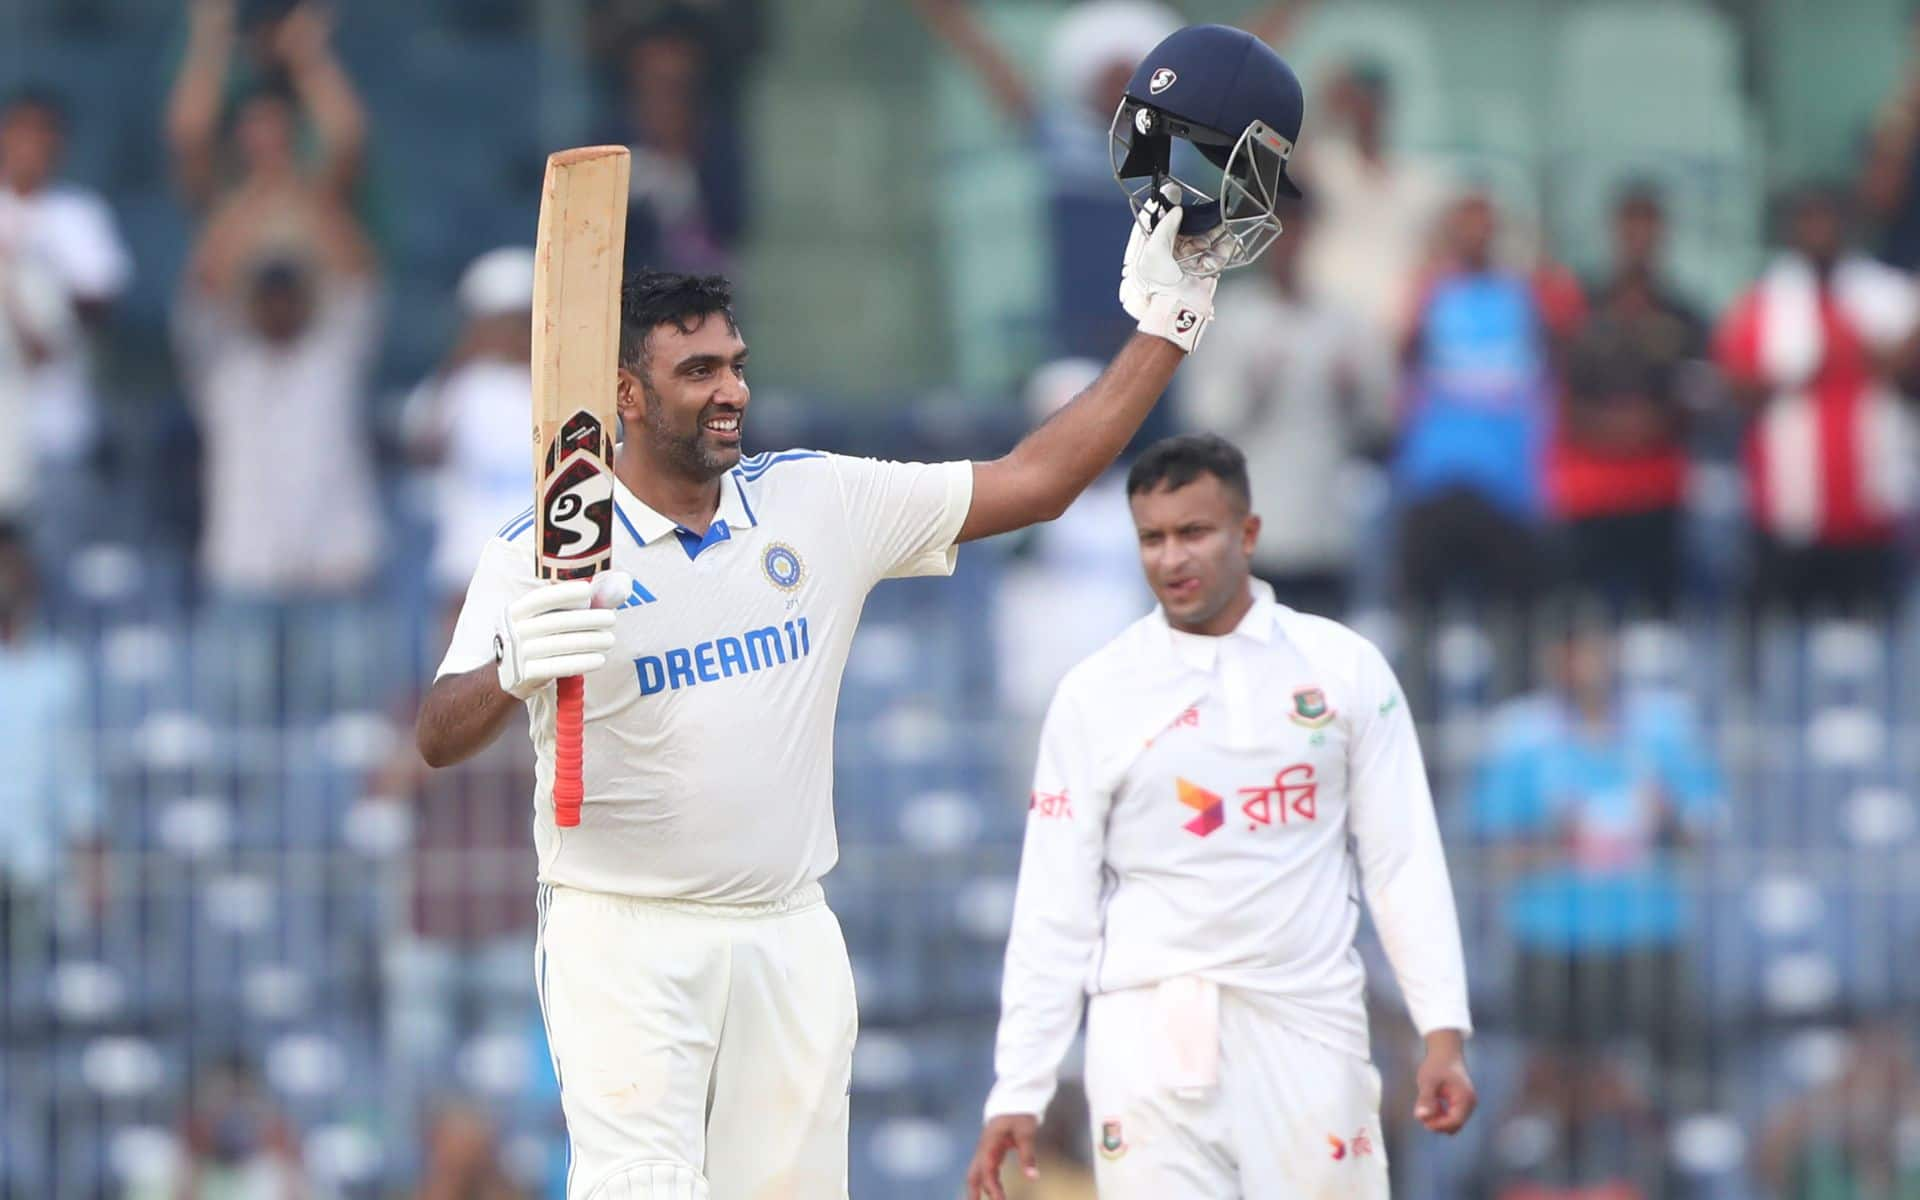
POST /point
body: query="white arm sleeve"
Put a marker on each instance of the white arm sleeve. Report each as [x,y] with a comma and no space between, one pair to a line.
[93,261]
[504,575]
[1402,866]
[904,517]
[1056,918]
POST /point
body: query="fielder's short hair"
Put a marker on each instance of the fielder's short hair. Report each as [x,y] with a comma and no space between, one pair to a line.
[1639,192]
[1796,198]
[36,98]
[1175,462]
[649,298]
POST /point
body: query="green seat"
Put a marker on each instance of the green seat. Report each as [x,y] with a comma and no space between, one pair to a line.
[1652,91]
[1825,68]
[1626,46]
[1648,76]
[989,209]
[841,164]
[1396,37]
[1496,52]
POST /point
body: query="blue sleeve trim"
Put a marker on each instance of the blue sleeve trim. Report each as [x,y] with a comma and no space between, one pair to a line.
[741,488]
[753,468]
[508,530]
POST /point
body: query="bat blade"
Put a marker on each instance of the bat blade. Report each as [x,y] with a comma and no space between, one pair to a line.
[576,350]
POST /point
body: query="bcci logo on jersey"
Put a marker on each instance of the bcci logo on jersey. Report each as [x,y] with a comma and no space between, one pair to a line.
[782,565]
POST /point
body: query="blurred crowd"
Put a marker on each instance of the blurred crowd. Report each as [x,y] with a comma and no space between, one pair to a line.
[1442,422]
[1417,381]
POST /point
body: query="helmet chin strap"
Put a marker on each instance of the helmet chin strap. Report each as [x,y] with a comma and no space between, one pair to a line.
[1210,241]
[1199,212]
[1200,218]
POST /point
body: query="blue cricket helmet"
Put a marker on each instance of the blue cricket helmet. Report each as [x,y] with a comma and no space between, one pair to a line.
[1240,105]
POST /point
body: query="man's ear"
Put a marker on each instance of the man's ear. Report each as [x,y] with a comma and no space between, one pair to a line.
[629,394]
[1250,533]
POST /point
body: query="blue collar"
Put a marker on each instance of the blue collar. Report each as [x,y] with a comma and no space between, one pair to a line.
[645,525]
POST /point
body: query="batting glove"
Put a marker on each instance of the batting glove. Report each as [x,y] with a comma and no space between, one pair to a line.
[556,630]
[1155,290]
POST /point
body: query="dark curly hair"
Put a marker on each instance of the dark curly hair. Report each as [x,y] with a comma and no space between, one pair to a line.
[649,298]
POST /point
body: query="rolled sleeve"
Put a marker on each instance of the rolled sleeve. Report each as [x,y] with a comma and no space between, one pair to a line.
[504,574]
[905,517]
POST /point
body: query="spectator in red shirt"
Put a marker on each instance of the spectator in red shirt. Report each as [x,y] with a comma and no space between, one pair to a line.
[1815,352]
[1617,470]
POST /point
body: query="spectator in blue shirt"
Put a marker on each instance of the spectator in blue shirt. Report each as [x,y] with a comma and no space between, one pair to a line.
[1481,354]
[52,873]
[49,793]
[1589,792]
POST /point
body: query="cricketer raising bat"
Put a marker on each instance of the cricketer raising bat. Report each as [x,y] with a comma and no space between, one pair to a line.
[576,348]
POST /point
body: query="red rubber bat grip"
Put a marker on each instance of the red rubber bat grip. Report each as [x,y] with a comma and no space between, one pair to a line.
[569,725]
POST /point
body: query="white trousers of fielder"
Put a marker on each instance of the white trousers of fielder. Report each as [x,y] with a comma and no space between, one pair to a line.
[704,1051]
[1198,1091]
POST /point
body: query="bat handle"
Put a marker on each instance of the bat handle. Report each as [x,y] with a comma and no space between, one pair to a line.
[569,728]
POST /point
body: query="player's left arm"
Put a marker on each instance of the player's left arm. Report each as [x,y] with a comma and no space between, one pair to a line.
[1055,463]
[1404,873]
[1052,465]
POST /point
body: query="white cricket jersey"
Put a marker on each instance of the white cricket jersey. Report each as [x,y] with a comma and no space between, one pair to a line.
[709,733]
[1214,807]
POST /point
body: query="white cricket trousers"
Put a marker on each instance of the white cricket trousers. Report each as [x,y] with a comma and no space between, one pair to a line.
[704,1051]
[1283,1118]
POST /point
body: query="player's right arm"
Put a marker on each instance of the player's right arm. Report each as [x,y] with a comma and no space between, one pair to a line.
[513,638]
[1056,933]
[460,714]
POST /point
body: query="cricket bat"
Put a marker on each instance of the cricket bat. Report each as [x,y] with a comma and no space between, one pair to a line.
[576,351]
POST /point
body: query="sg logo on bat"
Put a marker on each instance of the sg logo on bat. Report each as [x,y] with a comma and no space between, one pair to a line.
[576,509]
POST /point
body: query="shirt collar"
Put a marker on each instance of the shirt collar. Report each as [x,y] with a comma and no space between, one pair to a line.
[646,525]
[1201,652]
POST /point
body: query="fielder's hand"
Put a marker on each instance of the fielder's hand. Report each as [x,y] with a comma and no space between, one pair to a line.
[1014,1131]
[556,630]
[1154,289]
[1446,1095]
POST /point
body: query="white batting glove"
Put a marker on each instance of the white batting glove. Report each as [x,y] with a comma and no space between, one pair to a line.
[556,630]
[1154,289]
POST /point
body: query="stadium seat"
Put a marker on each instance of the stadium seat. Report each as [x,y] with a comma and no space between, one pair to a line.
[1398,38]
[1673,112]
[1824,70]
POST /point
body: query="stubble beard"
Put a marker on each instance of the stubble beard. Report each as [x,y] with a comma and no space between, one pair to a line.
[687,453]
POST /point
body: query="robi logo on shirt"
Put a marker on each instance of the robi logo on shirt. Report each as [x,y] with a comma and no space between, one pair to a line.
[1361,1145]
[1209,805]
[1293,795]
[1050,805]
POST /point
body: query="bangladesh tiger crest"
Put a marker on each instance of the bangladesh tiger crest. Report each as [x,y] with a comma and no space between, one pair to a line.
[1112,1145]
[1310,708]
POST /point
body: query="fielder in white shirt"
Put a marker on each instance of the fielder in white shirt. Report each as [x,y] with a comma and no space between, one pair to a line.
[1216,788]
[697,991]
